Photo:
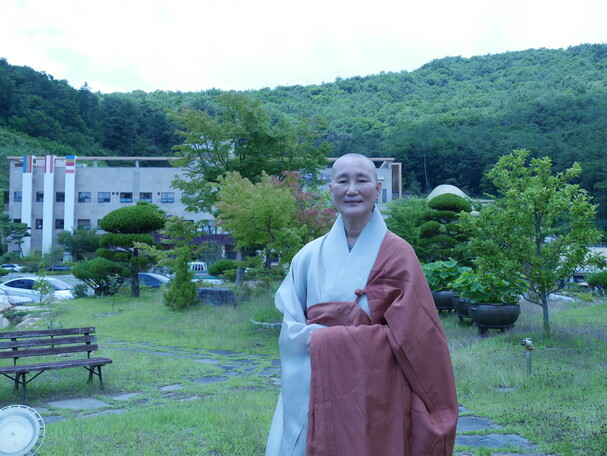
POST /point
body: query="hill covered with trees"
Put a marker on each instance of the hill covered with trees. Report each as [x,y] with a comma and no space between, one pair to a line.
[447,122]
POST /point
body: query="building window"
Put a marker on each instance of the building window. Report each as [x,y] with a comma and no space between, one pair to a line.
[38,224]
[84,197]
[167,197]
[18,197]
[144,196]
[16,220]
[126,197]
[84,224]
[39,197]
[60,197]
[103,197]
[59,224]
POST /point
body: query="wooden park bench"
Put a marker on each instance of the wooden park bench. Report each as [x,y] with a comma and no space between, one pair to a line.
[46,343]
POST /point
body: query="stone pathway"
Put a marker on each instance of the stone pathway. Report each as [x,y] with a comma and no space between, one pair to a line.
[473,432]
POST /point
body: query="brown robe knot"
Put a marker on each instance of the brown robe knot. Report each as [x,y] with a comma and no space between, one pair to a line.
[358,292]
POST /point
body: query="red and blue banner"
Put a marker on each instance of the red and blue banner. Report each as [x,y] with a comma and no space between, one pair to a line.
[28,164]
[70,164]
[49,164]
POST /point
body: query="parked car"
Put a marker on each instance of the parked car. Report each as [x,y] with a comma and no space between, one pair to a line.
[59,268]
[12,267]
[150,279]
[199,267]
[207,279]
[25,287]
[7,300]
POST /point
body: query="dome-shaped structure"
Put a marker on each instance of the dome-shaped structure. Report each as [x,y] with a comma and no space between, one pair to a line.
[446,188]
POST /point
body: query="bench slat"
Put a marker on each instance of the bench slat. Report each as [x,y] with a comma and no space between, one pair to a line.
[54,341]
[56,365]
[48,351]
[47,332]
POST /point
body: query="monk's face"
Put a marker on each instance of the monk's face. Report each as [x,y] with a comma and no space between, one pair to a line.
[354,187]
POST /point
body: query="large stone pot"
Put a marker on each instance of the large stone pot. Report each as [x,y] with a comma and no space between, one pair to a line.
[443,300]
[461,307]
[493,316]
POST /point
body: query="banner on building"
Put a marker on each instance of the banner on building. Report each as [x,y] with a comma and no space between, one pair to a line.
[49,164]
[70,164]
[28,164]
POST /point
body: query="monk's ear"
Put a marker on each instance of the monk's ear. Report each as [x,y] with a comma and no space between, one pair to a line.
[378,189]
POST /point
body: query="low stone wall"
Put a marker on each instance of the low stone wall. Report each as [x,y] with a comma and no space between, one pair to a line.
[216,296]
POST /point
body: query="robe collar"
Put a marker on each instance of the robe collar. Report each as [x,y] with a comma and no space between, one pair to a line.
[344,270]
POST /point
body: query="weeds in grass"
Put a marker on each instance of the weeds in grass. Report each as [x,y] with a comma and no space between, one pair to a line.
[562,405]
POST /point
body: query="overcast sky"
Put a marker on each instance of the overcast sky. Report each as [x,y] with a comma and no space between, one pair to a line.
[192,45]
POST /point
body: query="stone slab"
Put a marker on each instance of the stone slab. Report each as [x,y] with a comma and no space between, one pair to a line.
[209,380]
[79,404]
[125,396]
[474,424]
[494,441]
[52,419]
[171,387]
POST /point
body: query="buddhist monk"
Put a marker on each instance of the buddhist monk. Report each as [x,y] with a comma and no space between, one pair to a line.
[365,364]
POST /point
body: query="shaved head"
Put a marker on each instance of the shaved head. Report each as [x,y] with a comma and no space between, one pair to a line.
[362,161]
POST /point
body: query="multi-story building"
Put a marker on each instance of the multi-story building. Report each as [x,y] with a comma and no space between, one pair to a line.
[51,194]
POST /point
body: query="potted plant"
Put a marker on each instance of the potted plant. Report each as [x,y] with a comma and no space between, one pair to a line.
[492,301]
[467,281]
[439,275]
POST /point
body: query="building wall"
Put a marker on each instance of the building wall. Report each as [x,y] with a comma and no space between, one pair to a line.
[91,191]
[90,183]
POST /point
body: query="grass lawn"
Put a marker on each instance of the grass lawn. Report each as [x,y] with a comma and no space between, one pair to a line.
[562,406]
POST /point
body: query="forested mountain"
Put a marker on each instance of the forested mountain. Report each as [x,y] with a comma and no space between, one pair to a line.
[447,122]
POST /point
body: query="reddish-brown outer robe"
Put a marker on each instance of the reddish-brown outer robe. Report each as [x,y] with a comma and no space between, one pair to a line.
[382,384]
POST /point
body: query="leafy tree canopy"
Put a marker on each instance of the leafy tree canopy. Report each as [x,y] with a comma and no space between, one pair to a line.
[241,137]
[446,122]
[539,229]
[79,243]
[273,215]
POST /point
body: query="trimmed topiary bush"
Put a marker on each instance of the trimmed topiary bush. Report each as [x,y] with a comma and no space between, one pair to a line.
[450,202]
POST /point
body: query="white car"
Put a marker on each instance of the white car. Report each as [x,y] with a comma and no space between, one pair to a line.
[25,287]
[9,301]
[11,267]
[209,279]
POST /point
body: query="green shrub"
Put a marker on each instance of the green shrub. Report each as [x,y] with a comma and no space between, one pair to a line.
[429,229]
[182,292]
[97,274]
[483,288]
[80,290]
[450,202]
[598,280]
[230,274]
[220,267]
[3,272]
[440,274]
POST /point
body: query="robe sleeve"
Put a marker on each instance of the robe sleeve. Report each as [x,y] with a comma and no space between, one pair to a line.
[289,426]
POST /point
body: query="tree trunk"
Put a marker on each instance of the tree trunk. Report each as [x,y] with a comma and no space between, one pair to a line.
[135,277]
[544,299]
[268,262]
[240,271]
